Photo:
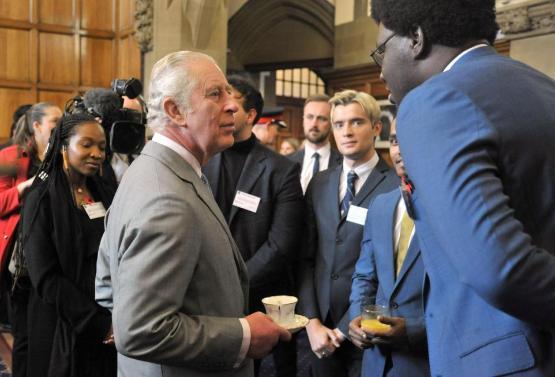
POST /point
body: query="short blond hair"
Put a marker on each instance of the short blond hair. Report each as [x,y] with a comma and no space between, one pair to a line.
[365,100]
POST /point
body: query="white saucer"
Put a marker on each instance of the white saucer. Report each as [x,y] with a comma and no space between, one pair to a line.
[299,324]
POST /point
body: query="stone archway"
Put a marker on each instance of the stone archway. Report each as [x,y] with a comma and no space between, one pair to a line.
[279,31]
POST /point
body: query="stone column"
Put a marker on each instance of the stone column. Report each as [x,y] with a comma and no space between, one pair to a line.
[196,25]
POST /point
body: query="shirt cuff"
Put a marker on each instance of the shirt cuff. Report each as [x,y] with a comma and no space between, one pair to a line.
[245,344]
[340,334]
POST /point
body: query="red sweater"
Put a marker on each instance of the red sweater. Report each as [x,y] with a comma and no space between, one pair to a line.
[10,203]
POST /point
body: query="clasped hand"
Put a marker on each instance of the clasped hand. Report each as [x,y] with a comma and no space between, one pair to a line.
[394,336]
[323,340]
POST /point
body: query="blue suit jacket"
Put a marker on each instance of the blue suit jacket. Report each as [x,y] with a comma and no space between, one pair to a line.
[478,142]
[374,276]
[332,244]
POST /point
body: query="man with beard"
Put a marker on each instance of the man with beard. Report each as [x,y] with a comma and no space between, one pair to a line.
[317,154]
[477,134]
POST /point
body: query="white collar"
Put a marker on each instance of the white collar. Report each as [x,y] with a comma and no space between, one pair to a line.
[362,169]
[459,56]
[180,150]
[322,151]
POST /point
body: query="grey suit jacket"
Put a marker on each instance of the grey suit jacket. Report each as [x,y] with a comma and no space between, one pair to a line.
[179,283]
[333,244]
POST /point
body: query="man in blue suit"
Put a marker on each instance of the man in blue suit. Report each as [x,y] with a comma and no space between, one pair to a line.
[477,131]
[390,272]
[337,201]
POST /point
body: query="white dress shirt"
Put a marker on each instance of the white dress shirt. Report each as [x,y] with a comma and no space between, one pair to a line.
[308,162]
[362,171]
[192,160]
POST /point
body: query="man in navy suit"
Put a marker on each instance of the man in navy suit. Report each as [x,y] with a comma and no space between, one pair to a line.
[390,272]
[337,201]
[317,154]
[477,131]
[260,196]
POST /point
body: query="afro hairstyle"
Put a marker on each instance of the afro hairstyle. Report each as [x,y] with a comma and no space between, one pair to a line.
[445,22]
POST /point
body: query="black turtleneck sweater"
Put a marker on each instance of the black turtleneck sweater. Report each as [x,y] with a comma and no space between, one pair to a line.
[233,160]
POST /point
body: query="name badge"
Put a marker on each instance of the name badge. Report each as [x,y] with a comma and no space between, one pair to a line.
[95,210]
[357,214]
[246,201]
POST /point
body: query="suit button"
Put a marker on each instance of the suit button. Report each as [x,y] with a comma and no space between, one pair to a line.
[338,240]
[334,276]
[394,305]
[5,236]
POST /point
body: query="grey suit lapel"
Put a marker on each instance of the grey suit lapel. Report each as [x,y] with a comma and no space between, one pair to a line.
[252,170]
[185,171]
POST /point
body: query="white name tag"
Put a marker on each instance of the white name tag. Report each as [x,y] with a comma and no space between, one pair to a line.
[357,215]
[246,201]
[95,210]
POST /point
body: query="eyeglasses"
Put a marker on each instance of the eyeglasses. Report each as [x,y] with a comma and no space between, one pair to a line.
[379,52]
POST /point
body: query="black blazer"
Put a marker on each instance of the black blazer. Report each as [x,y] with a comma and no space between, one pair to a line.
[332,244]
[336,158]
[268,239]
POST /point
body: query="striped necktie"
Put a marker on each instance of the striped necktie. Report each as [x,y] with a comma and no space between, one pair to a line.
[350,193]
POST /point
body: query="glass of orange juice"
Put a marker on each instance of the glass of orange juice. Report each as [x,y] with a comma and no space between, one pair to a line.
[370,314]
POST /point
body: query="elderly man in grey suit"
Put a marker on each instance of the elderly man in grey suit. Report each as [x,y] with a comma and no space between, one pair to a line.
[178,283]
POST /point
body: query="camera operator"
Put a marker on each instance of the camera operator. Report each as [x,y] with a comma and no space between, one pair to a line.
[123,123]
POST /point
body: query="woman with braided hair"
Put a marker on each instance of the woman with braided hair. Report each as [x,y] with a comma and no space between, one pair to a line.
[62,227]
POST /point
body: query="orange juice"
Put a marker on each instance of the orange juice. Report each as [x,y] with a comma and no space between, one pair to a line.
[374,325]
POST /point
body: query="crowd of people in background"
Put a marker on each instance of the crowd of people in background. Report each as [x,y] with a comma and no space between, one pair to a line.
[154,261]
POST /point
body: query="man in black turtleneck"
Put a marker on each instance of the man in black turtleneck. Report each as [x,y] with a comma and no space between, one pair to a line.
[260,195]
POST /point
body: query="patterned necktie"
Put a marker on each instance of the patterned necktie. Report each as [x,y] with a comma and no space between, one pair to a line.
[206,183]
[407,225]
[316,166]
[350,193]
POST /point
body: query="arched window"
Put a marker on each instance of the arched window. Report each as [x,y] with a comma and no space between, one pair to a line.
[298,83]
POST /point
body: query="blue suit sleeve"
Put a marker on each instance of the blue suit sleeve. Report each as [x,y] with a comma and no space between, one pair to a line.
[451,152]
[365,280]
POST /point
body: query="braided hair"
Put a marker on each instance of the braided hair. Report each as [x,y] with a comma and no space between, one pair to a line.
[51,191]
[51,178]
[64,130]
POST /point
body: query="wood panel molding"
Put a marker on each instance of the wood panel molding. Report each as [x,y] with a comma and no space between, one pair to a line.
[54,49]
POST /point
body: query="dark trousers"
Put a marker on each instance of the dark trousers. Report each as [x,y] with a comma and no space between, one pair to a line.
[18,305]
[344,362]
[284,355]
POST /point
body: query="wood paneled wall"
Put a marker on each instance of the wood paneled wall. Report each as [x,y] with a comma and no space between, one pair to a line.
[52,50]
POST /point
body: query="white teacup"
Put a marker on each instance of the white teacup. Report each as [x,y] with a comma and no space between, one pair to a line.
[281,309]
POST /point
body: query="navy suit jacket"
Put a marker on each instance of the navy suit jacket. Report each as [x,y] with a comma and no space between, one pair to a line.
[478,142]
[374,277]
[333,244]
[268,239]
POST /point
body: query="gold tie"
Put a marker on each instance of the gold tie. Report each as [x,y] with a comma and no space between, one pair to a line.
[407,226]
